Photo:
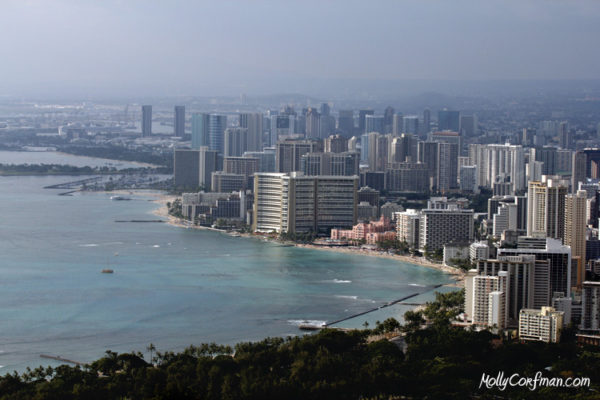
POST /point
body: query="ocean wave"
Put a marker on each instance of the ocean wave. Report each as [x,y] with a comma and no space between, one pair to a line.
[156,245]
[298,322]
[343,296]
[341,281]
[89,245]
[415,284]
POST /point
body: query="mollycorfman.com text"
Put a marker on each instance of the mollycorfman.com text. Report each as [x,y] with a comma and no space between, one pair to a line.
[502,381]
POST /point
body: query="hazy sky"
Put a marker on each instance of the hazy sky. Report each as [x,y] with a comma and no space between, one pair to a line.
[186,47]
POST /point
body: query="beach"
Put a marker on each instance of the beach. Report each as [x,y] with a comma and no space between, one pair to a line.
[457,275]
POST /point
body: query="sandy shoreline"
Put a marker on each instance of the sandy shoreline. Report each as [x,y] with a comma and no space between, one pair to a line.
[162,199]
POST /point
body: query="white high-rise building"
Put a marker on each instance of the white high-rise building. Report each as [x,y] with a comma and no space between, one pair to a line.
[546,207]
[499,161]
[540,325]
[576,223]
[407,227]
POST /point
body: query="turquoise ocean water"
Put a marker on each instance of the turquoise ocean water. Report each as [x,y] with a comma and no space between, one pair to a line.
[171,287]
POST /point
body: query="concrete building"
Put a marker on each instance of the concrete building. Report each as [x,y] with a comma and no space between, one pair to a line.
[226,182]
[441,226]
[468,179]
[193,168]
[576,223]
[146,121]
[449,120]
[495,161]
[335,144]
[253,122]
[489,301]
[337,164]
[296,203]
[540,325]
[546,207]
[407,177]
[590,316]
[216,132]
[407,227]
[479,251]
[199,130]
[179,122]
[246,166]
[266,159]
[235,142]
[289,154]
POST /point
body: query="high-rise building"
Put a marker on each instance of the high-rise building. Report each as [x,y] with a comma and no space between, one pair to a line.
[146,121]
[334,164]
[216,132]
[246,166]
[559,264]
[441,226]
[374,123]
[346,123]
[468,178]
[361,120]
[398,124]
[575,223]
[497,162]
[296,203]
[266,159]
[404,148]
[388,120]
[590,310]
[488,301]
[407,177]
[236,142]
[336,144]
[289,153]
[407,227]
[449,120]
[377,151]
[179,122]
[313,124]
[224,182]
[468,125]
[447,166]
[254,123]
[546,207]
[426,121]
[428,155]
[199,130]
[411,124]
[193,168]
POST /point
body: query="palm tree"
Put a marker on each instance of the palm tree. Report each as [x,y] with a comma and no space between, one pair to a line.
[151,348]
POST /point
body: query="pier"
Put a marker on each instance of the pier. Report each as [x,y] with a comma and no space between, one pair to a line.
[62,359]
[74,184]
[391,303]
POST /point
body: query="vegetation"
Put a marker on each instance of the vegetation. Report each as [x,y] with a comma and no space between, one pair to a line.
[124,154]
[175,208]
[298,237]
[440,362]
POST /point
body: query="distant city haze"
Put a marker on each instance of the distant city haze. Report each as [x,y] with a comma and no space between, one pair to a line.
[185,48]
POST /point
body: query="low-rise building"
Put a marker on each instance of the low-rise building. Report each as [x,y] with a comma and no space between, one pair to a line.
[540,325]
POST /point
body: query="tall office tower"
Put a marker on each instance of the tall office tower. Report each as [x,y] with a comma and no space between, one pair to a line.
[576,222]
[236,142]
[334,164]
[193,168]
[224,182]
[336,144]
[352,144]
[246,166]
[468,178]
[266,159]
[520,272]
[428,154]
[548,128]
[282,127]
[447,166]
[411,124]
[289,153]
[398,124]
[441,226]
[403,148]
[468,125]
[179,123]
[346,123]
[426,121]
[364,147]
[199,130]
[586,164]
[313,124]
[361,119]
[296,203]
[528,137]
[590,299]
[146,121]
[373,123]
[378,151]
[216,131]
[598,131]
[327,121]
[388,120]
[559,258]
[448,120]
[547,155]
[564,160]
[546,207]
[407,177]
[565,137]
[254,123]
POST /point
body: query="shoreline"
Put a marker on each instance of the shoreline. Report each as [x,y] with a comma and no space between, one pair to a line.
[458,276]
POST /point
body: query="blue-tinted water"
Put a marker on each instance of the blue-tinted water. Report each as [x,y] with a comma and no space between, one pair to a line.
[53,157]
[171,286]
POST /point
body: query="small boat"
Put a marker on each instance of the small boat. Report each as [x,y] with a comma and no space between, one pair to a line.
[119,198]
[107,271]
